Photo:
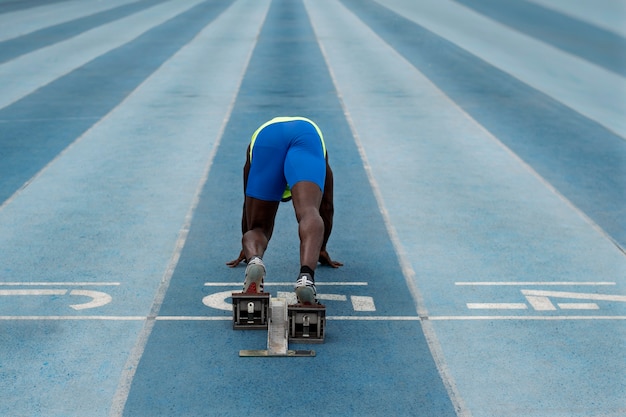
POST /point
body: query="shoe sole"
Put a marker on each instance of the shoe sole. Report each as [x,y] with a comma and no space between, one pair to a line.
[254,280]
[306,295]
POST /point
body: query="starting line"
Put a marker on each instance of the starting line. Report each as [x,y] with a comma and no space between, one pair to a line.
[331,318]
[284,284]
[546,304]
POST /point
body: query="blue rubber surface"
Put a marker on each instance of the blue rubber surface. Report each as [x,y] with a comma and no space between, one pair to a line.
[583,160]
[50,35]
[480,206]
[357,344]
[598,45]
[106,81]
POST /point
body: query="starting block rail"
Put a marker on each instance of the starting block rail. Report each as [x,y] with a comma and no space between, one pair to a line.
[284,323]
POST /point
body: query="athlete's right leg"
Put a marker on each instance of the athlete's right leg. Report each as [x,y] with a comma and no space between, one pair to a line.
[307,197]
[260,216]
[305,170]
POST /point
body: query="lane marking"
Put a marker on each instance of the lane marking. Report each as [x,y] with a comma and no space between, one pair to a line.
[123,389]
[333,318]
[374,318]
[578,306]
[497,306]
[53,318]
[513,318]
[33,292]
[362,303]
[524,283]
[540,300]
[575,295]
[197,318]
[58,284]
[540,303]
[98,299]
[218,300]
[410,276]
[92,44]
[23,22]
[194,318]
[283,284]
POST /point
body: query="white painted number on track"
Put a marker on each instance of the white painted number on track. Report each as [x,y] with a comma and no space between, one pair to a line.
[542,300]
[98,298]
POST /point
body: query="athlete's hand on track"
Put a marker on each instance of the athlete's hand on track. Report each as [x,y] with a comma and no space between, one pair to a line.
[324,259]
[237,261]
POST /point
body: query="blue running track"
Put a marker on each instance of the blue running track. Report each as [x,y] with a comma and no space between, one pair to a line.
[479,152]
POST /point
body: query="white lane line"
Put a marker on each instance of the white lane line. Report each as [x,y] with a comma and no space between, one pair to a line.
[575,295]
[25,21]
[513,318]
[79,50]
[578,306]
[497,306]
[524,283]
[98,298]
[62,318]
[373,318]
[58,284]
[331,297]
[282,284]
[251,18]
[196,318]
[608,15]
[585,87]
[332,318]
[33,292]
[315,11]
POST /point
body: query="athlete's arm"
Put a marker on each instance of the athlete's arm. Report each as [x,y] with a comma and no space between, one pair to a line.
[244,221]
[327,211]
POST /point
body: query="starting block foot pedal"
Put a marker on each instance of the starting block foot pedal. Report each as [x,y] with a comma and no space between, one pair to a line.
[307,323]
[250,311]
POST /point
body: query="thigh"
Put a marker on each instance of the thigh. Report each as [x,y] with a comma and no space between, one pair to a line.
[307,198]
[266,180]
[305,159]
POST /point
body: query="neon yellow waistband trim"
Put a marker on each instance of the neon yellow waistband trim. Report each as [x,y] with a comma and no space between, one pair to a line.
[286,119]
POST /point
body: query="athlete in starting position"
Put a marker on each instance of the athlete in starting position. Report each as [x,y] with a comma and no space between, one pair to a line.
[287,159]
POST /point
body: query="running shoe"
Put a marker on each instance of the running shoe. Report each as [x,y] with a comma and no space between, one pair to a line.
[255,275]
[305,289]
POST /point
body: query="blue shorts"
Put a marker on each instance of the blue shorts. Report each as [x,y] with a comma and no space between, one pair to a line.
[284,152]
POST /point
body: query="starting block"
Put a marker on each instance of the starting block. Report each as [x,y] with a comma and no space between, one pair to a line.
[250,311]
[307,323]
[284,323]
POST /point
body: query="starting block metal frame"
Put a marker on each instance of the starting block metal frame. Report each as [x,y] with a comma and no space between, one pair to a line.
[250,311]
[307,323]
[284,323]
